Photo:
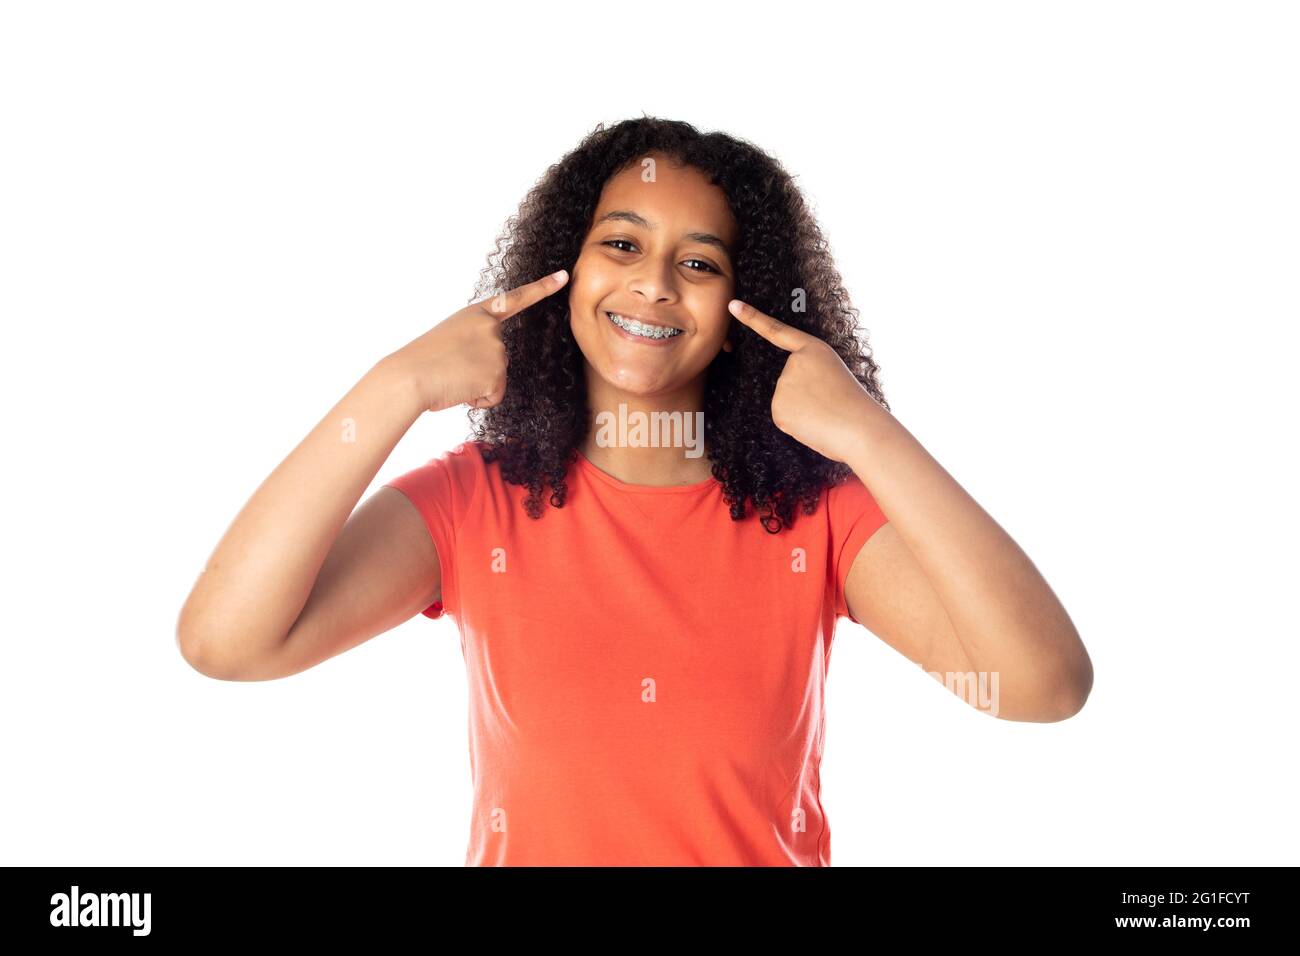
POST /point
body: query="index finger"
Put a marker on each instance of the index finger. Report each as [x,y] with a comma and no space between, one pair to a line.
[774,330]
[505,304]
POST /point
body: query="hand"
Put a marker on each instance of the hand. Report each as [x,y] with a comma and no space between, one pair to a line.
[462,360]
[817,400]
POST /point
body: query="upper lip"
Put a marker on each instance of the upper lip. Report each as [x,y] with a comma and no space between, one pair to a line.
[646,320]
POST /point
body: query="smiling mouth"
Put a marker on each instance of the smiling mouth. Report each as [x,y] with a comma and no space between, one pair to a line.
[642,330]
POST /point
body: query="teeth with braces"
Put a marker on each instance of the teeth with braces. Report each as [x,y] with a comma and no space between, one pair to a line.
[641,329]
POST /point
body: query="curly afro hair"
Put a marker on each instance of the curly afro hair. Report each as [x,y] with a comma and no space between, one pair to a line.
[535,432]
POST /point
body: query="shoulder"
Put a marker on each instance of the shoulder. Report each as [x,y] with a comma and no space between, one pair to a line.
[467,455]
[849,496]
[451,480]
[465,460]
[852,513]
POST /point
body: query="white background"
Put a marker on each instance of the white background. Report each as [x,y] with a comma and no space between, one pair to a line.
[1071,230]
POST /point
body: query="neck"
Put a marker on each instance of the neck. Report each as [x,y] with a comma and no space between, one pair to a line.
[650,439]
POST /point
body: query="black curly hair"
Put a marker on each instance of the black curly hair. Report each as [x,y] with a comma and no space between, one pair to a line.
[535,432]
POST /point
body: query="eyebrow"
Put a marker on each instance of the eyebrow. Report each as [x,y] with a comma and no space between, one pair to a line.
[627,215]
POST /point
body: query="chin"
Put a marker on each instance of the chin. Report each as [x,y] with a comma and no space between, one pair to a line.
[634,382]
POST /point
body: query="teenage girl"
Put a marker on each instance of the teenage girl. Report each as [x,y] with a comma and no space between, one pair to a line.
[646,629]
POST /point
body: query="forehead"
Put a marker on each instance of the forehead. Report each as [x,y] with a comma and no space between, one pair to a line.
[680,199]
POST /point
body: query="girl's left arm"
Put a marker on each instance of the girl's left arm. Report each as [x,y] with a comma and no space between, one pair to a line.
[941,580]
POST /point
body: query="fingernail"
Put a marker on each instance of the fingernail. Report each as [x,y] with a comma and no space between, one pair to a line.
[561,275]
[734,306]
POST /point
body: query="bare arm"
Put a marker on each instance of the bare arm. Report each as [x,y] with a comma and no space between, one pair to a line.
[299,576]
[249,616]
[945,585]
[942,581]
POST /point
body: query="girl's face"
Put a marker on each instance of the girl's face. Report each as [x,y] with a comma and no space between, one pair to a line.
[658,251]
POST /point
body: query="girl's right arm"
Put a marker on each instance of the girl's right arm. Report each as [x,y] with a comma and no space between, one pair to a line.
[299,576]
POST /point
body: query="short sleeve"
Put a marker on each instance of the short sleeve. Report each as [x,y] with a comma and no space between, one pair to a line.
[442,489]
[854,517]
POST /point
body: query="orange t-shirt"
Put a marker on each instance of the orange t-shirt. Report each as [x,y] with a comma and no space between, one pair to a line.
[646,675]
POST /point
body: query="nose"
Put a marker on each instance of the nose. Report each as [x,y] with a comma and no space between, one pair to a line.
[653,280]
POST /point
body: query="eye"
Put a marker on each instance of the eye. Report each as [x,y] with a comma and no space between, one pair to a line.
[707,267]
[703,263]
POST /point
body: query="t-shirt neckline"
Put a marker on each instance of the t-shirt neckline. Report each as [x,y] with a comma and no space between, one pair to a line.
[585,464]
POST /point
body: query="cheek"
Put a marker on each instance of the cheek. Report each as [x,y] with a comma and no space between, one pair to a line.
[711,313]
[582,303]
[587,281]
